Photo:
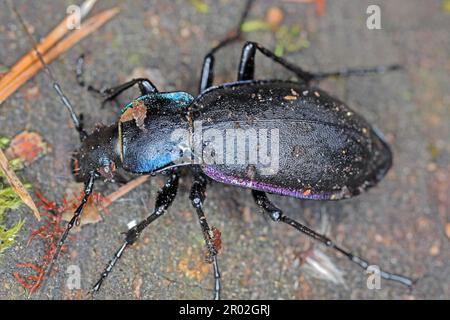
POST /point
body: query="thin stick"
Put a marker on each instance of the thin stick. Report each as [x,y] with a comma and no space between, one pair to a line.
[17,185]
[53,37]
[123,190]
[88,27]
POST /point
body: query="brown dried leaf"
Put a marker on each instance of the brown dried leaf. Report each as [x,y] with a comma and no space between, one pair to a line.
[28,146]
[138,113]
[91,212]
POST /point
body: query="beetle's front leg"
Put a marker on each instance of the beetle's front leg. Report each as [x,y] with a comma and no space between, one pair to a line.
[277,215]
[197,198]
[145,85]
[164,199]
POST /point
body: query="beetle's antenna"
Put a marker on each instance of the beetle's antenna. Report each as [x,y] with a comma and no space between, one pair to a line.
[88,187]
[75,119]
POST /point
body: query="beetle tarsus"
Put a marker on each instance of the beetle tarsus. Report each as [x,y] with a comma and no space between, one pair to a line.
[269,208]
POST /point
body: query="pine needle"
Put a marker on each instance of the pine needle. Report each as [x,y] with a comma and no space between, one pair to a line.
[49,41]
[22,76]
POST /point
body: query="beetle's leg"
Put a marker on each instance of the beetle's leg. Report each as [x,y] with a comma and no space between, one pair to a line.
[197,198]
[278,216]
[246,69]
[79,72]
[88,188]
[207,75]
[145,85]
[164,199]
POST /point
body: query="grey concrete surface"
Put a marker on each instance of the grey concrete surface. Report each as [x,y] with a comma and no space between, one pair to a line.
[398,225]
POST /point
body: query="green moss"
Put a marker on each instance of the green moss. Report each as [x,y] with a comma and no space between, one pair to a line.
[7,236]
[9,200]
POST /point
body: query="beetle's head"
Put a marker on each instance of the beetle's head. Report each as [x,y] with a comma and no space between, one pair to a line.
[98,153]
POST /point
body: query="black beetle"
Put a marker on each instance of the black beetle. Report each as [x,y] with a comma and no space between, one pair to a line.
[319,148]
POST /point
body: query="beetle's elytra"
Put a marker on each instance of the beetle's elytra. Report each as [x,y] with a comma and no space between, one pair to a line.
[324,149]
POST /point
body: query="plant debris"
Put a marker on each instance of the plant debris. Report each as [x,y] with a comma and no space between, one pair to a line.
[27,146]
[8,200]
[22,150]
[50,232]
[255,25]
[17,185]
[138,113]
[321,5]
[29,65]
[446,5]
[274,16]
[318,265]
[289,38]
[200,6]
[91,212]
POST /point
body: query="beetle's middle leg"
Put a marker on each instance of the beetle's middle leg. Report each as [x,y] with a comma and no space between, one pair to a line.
[164,199]
[197,198]
[246,69]
[277,215]
[207,75]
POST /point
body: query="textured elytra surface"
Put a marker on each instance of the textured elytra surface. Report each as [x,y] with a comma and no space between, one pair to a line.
[322,148]
[400,222]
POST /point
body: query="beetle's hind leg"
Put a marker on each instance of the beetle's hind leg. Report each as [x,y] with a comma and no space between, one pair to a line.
[246,69]
[277,215]
[164,199]
[197,198]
